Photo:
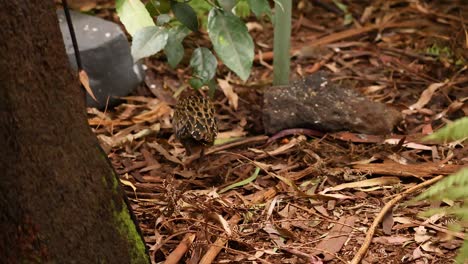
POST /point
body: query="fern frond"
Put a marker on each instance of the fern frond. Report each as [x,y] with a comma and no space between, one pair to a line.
[461,212]
[455,131]
[463,253]
[456,184]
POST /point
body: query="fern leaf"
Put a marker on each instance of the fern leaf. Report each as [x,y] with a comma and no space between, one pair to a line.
[444,187]
[455,131]
[463,253]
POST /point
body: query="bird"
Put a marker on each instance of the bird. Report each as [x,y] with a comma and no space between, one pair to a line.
[194,123]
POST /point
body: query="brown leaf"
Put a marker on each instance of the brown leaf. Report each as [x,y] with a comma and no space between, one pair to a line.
[164,152]
[228,91]
[420,235]
[365,183]
[387,222]
[391,240]
[84,79]
[336,238]
[426,96]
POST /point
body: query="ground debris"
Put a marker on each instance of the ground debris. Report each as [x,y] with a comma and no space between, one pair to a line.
[409,54]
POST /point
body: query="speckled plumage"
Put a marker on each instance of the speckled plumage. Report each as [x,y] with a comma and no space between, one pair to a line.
[194,122]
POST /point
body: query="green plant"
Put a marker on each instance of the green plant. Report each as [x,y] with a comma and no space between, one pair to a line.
[282,42]
[176,19]
[455,186]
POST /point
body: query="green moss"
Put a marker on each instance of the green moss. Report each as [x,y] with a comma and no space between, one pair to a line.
[125,224]
[439,51]
[127,228]
[444,53]
[114,184]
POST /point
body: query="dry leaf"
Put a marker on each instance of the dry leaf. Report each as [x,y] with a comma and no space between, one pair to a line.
[365,183]
[335,238]
[283,148]
[157,111]
[420,235]
[391,240]
[254,26]
[228,91]
[387,222]
[164,152]
[428,247]
[130,184]
[235,133]
[223,223]
[411,145]
[84,79]
[426,96]
[402,220]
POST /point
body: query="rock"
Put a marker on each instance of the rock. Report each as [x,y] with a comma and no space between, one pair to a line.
[105,54]
[315,102]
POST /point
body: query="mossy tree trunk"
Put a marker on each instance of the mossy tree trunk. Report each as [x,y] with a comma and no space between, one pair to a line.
[60,201]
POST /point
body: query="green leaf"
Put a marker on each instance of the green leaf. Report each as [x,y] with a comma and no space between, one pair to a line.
[348,17]
[260,7]
[133,15]
[151,7]
[463,253]
[455,131]
[201,7]
[227,5]
[163,6]
[174,50]
[163,19]
[242,9]
[204,64]
[195,83]
[185,14]
[231,41]
[148,41]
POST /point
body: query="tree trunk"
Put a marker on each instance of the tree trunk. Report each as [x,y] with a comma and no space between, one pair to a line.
[60,200]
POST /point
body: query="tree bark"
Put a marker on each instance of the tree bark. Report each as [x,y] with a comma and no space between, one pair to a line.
[60,199]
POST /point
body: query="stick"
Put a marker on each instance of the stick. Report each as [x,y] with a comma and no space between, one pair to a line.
[216,247]
[370,233]
[181,249]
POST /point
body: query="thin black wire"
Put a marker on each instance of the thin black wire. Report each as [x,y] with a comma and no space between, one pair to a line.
[72,34]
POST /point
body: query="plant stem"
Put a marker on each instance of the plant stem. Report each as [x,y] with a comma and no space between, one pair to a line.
[282,42]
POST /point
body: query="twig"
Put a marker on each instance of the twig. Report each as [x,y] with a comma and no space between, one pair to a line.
[180,250]
[216,247]
[370,234]
[156,247]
